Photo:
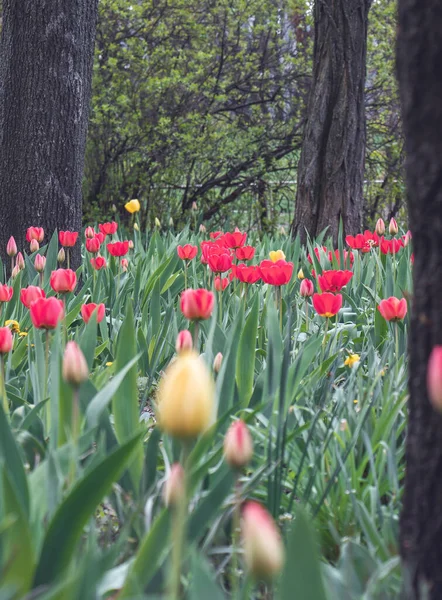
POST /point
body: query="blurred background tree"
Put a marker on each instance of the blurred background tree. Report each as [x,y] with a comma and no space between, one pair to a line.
[205,102]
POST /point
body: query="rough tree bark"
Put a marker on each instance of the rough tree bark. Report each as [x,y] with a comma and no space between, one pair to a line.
[419,59]
[46,58]
[331,166]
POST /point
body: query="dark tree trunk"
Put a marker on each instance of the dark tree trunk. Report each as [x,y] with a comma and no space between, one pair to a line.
[331,167]
[419,55]
[46,58]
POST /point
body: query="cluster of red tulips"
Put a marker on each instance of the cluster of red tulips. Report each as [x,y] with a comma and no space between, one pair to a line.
[367,241]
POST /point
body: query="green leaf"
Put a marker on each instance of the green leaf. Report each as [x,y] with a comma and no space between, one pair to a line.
[245,362]
[104,396]
[150,556]
[67,525]
[203,580]
[10,456]
[302,577]
[125,406]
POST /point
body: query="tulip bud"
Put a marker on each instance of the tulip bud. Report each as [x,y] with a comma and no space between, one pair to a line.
[263,548]
[113,208]
[343,425]
[194,206]
[40,263]
[238,445]
[11,247]
[34,246]
[157,222]
[301,274]
[406,238]
[217,362]
[186,383]
[434,378]
[15,271]
[124,264]
[170,222]
[89,232]
[393,228]
[61,256]
[20,261]
[136,227]
[131,245]
[75,369]
[282,230]
[184,341]
[203,228]
[307,288]
[380,227]
[173,489]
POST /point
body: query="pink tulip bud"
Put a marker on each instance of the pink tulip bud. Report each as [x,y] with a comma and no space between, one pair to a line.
[11,247]
[203,228]
[89,232]
[124,264]
[217,362]
[75,369]
[131,245]
[406,238]
[307,288]
[61,256]
[380,227]
[15,271]
[20,261]
[194,206]
[184,341]
[263,548]
[173,489]
[434,378]
[238,445]
[40,263]
[34,246]
[393,228]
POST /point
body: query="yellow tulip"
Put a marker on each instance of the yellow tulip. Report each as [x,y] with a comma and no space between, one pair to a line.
[186,397]
[352,360]
[133,206]
[276,255]
[301,274]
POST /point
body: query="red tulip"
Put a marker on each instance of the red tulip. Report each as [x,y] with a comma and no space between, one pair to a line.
[393,309]
[35,233]
[215,235]
[276,273]
[118,248]
[246,274]
[221,283]
[93,245]
[327,304]
[5,340]
[307,288]
[235,239]
[88,309]
[434,377]
[245,253]
[68,239]
[334,281]
[5,292]
[30,294]
[108,228]
[46,313]
[219,262]
[63,280]
[100,237]
[391,246]
[197,304]
[98,263]
[187,252]
[363,241]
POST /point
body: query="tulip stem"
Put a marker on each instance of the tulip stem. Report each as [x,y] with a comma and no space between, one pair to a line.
[325,339]
[234,576]
[396,332]
[221,305]
[196,329]
[185,275]
[3,385]
[179,526]
[68,256]
[47,408]
[12,264]
[306,314]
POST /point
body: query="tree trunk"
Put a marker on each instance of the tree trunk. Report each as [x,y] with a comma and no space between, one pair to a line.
[46,58]
[419,59]
[331,166]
